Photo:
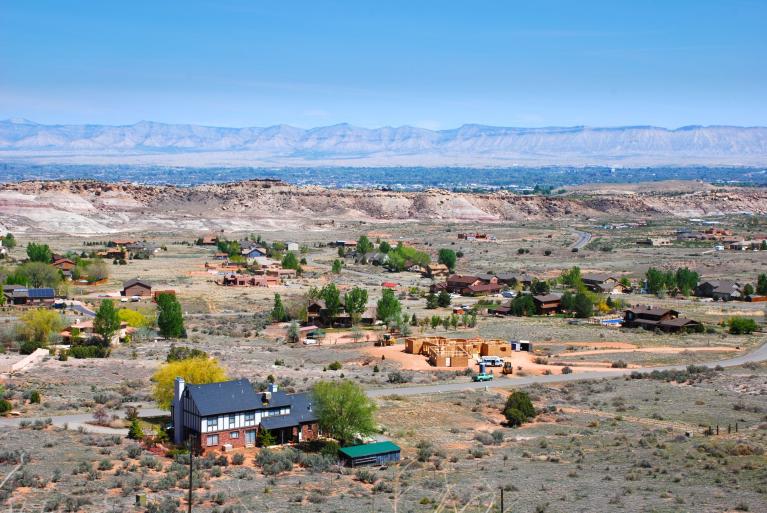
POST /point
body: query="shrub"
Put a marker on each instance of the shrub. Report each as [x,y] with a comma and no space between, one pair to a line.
[620,364]
[742,325]
[567,370]
[398,377]
[366,476]
[238,459]
[484,438]
[34,397]
[335,366]
[518,408]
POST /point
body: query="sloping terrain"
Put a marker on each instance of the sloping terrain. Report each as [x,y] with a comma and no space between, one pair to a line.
[89,207]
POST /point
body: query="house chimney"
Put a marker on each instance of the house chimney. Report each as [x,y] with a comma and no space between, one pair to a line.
[178,411]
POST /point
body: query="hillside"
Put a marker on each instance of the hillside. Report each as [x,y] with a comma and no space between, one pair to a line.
[89,207]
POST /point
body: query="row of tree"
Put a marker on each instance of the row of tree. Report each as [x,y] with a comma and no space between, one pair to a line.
[683,279]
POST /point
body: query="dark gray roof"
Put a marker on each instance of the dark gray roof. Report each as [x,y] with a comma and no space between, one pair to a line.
[301,411]
[136,281]
[234,396]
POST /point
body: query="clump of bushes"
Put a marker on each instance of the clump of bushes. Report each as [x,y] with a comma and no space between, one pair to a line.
[518,409]
[398,377]
[742,325]
[276,461]
[690,374]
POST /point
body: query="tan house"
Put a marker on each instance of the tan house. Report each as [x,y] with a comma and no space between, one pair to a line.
[436,271]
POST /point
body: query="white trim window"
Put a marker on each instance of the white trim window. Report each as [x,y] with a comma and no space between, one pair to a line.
[212,423]
[232,420]
[234,434]
[211,440]
[250,417]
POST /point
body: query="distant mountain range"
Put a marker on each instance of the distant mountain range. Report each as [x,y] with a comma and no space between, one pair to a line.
[469,145]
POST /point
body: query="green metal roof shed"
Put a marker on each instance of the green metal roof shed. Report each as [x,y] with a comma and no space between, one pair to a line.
[377,453]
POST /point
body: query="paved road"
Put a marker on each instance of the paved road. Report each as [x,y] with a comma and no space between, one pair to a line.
[583,239]
[80,420]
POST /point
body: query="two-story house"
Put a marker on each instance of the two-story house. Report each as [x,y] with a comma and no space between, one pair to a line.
[232,413]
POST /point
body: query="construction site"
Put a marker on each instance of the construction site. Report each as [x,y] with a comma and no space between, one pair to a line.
[456,352]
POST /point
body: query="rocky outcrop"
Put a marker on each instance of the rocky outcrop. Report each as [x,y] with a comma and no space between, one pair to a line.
[89,207]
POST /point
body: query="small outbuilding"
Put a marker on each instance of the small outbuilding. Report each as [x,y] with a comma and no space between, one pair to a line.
[378,453]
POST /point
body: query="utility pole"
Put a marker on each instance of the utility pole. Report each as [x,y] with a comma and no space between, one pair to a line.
[191,470]
[501,499]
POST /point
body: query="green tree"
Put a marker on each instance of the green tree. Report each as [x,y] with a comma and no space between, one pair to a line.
[278,310]
[364,246]
[294,332]
[568,301]
[523,305]
[230,247]
[343,410]
[341,252]
[748,289]
[97,270]
[107,321]
[337,266]
[448,258]
[384,247]
[625,281]
[582,306]
[518,408]
[686,280]
[332,298]
[742,325]
[135,432]
[9,241]
[2,297]
[355,302]
[290,261]
[435,321]
[39,274]
[388,307]
[266,438]
[539,287]
[40,324]
[572,278]
[170,319]
[761,284]
[431,301]
[443,299]
[39,252]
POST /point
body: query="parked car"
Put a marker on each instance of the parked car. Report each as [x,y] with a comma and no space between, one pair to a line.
[491,361]
[482,377]
[310,342]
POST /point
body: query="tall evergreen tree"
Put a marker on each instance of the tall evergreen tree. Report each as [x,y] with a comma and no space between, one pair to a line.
[107,321]
[170,320]
[278,311]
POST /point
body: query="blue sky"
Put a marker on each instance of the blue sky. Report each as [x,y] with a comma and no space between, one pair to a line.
[432,64]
